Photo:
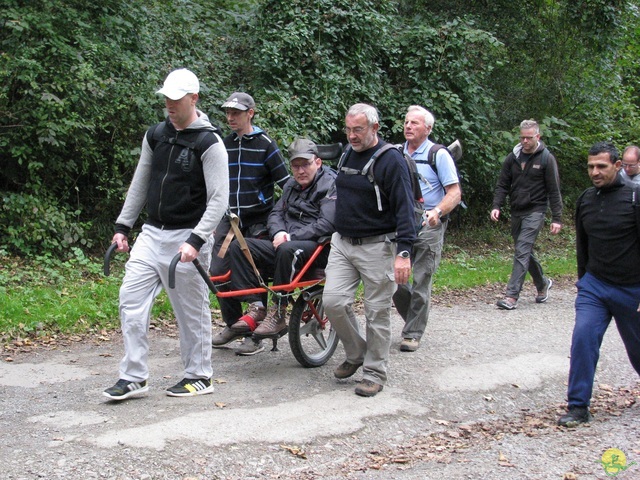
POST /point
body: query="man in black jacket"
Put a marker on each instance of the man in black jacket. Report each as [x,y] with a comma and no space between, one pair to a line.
[303,214]
[530,177]
[608,254]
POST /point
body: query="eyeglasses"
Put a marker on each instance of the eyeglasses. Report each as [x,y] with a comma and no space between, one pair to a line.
[301,166]
[355,130]
[630,165]
[522,139]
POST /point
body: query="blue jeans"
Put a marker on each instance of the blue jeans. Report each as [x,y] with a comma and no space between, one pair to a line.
[525,230]
[597,302]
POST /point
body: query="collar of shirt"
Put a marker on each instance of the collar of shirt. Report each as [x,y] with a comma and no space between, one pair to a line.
[421,150]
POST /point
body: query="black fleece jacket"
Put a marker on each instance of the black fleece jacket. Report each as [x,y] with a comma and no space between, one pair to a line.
[532,188]
[607,233]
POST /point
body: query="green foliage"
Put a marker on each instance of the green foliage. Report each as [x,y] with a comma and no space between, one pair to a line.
[33,225]
[446,69]
[77,83]
[46,295]
[65,106]
[77,93]
[314,60]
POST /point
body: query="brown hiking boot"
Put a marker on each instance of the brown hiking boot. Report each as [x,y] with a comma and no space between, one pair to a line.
[409,344]
[274,323]
[250,320]
[346,369]
[225,337]
[367,388]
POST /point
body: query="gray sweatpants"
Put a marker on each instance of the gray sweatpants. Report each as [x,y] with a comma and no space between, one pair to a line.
[146,273]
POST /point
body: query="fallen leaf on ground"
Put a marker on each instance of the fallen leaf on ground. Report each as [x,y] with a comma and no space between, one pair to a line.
[297,451]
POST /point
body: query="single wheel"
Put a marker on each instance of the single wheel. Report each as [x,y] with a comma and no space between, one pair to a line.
[311,338]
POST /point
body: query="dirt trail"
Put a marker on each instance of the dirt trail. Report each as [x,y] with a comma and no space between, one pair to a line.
[477,401]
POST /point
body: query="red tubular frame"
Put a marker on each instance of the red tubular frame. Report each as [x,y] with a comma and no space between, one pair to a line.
[297,281]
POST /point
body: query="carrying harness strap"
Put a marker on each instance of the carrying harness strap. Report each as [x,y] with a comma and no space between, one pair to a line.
[235,231]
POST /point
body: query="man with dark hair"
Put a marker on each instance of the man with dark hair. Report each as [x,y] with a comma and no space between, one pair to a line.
[529,176]
[630,171]
[182,178]
[255,166]
[372,244]
[608,255]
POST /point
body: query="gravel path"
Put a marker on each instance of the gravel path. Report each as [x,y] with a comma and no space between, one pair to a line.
[477,401]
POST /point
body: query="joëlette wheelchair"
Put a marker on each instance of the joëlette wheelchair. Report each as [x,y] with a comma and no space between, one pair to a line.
[311,338]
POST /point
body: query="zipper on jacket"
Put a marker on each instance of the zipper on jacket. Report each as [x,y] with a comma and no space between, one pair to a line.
[166,174]
[239,176]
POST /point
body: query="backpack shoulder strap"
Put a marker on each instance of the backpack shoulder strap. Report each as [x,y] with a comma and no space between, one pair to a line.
[155,134]
[198,143]
[343,158]
[544,160]
[431,157]
[635,202]
[368,168]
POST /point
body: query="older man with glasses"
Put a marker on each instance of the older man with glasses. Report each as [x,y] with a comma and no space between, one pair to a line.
[372,245]
[631,165]
[530,178]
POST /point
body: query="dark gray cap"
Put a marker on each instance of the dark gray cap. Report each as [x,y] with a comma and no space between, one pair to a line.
[302,148]
[239,101]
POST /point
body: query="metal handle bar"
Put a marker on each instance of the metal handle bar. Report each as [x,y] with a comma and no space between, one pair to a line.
[172,270]
[107,258]
[203,273]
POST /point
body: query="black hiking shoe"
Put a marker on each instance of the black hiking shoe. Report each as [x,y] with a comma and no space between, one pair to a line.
[575,416]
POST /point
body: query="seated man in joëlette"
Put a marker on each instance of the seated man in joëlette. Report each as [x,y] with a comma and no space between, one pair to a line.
[304,214]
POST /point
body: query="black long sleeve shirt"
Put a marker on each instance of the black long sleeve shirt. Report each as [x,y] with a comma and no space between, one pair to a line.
[607,233]
[357,213]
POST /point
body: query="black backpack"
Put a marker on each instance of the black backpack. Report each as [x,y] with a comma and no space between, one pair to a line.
[455,150]
[156,134]
[418,205]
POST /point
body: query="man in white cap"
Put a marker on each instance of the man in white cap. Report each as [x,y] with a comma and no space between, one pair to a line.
[255,166]
[182,178]
[303,214]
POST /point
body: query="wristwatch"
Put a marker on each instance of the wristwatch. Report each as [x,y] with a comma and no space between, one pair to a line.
[403,254]
[438,211]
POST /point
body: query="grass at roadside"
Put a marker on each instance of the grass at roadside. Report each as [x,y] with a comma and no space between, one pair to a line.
[44,297]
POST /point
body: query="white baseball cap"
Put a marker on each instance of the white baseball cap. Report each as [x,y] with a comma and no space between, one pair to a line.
[178,83]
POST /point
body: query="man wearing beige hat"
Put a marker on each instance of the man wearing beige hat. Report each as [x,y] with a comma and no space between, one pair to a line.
[182,179]
[302,215]
[255,166]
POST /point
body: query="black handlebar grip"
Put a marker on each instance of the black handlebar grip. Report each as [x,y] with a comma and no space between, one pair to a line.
[172,270]
[107,258]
